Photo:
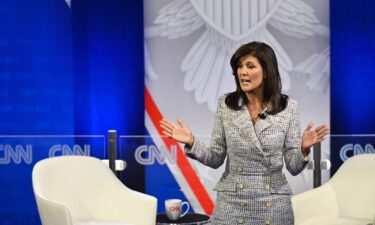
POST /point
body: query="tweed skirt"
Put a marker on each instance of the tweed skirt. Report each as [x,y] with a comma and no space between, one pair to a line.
[235,208]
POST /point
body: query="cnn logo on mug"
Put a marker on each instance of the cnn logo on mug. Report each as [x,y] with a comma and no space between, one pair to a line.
[173,208]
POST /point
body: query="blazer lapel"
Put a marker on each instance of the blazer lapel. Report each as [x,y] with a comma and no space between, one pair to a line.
[261,125]
[241,118]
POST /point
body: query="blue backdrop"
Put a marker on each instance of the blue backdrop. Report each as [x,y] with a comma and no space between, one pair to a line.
[352,77]
[63,72]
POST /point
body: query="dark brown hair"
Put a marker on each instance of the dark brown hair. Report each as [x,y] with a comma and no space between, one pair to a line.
[272,84]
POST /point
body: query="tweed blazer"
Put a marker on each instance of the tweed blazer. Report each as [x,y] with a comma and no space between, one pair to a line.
[253,188]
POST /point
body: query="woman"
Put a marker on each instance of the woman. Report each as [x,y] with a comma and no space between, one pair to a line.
[257,128]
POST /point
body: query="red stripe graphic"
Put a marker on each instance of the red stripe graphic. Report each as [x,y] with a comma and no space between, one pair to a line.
[187,170]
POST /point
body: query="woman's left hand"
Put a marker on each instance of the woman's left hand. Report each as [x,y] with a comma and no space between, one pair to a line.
[311,137]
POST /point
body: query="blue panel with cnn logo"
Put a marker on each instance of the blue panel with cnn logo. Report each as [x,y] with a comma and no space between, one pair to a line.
[345,146]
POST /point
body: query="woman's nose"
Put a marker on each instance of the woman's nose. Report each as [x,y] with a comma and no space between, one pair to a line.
[241,71]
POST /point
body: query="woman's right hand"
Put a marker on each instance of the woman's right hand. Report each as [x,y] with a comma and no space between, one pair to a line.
[179,132]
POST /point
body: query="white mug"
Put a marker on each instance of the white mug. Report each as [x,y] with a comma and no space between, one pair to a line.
[173,208]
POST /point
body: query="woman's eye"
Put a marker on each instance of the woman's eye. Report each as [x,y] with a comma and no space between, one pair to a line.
[250,66]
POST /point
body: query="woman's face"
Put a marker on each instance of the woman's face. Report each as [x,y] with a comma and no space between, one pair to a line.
[250,74]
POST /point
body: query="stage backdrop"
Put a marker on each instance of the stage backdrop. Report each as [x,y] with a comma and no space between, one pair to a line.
[353,83]
[69,72]
[188,44]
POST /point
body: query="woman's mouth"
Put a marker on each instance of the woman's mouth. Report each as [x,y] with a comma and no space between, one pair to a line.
[245,81]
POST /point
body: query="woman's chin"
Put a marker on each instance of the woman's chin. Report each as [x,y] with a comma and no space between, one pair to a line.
[246,89]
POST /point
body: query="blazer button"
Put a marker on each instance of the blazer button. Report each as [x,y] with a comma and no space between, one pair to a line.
[267,186]
[268,222]
[243,204]
[239,169]
[265,169]
[240,221]
[240,186]
[269,204]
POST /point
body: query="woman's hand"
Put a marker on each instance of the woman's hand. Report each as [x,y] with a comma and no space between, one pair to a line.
[311,137]
[179,132]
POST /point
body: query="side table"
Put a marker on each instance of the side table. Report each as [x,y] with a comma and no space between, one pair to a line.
[188,219]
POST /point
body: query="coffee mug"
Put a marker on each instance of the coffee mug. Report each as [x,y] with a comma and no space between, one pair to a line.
[173,208]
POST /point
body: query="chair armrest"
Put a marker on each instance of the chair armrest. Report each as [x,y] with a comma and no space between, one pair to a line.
[146,205]
[52,213]
[126,205]
[317,203]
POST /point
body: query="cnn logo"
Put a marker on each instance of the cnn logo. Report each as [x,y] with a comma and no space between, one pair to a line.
[174,209]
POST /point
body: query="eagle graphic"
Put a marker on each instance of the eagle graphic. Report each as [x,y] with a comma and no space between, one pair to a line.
[229,24]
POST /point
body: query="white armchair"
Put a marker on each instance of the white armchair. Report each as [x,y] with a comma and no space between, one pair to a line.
[347,198]
[81,190]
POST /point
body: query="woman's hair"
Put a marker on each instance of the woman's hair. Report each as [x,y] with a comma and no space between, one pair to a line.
[272,96]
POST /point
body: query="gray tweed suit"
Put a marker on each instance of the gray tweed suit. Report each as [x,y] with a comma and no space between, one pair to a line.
[253,188]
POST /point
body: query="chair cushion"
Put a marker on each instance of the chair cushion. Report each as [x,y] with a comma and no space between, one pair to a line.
[336,221]
[97,222]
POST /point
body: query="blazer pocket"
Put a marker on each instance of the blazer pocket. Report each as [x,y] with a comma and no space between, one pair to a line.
[225,187]
[283,190]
